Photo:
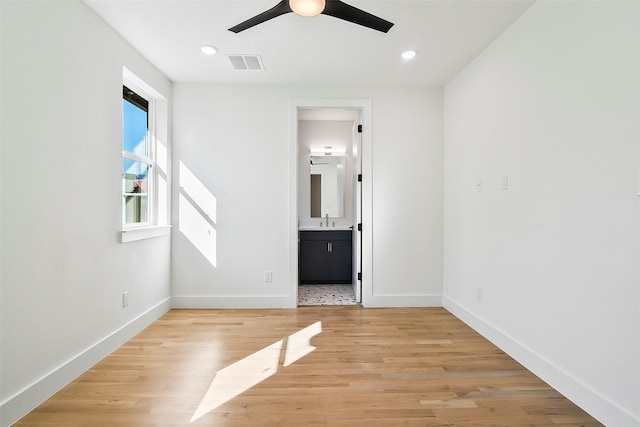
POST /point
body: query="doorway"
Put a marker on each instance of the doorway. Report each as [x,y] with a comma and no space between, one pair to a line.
[322,132]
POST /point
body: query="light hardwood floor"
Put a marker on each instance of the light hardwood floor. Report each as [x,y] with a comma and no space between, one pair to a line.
[370,367]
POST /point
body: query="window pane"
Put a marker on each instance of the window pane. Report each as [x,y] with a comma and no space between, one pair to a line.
[135,180]
[134,129]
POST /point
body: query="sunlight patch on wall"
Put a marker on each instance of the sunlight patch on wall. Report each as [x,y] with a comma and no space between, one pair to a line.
[197,210]
[198,193]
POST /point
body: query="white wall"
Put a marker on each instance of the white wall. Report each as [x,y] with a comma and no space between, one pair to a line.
[236,140]
[1,137]
[555,104]
[62,269]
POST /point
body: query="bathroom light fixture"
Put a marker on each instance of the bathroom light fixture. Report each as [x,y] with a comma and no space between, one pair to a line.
[409,54]
[328,151]
[307,7]
[208,49]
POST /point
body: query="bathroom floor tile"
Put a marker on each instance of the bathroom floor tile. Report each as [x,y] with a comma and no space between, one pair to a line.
[326,295]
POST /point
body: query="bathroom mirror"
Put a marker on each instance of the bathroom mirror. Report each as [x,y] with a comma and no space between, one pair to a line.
[327,176]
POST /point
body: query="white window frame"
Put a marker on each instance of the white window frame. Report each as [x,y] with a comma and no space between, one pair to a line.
[151,228]
[149,160]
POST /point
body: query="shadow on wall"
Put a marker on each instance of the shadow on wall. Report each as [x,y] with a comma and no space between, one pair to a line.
[197,209]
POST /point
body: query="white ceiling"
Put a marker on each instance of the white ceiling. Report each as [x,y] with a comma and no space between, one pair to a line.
[448,34]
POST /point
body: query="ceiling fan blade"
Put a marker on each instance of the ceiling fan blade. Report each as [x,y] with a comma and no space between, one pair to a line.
[277,10]
[338,9]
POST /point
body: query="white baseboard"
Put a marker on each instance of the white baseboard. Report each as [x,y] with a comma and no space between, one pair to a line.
[17,406]
[212,302]
[377,301]
[260,301]
[597,405]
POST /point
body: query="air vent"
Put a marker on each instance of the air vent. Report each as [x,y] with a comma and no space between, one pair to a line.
[246,62]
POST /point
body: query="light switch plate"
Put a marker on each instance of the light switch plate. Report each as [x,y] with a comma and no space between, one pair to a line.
[505,182]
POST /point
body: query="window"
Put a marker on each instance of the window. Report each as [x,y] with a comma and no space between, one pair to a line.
[145,176]
[137,159]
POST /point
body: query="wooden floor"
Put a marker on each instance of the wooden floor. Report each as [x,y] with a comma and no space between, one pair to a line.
[370,367]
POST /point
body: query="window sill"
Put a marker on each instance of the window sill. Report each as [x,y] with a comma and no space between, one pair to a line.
[134,234]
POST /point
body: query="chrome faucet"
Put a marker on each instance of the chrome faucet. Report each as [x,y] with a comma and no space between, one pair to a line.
[327,217]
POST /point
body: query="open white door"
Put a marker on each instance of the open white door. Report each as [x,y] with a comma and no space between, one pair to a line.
[362,272]
[357,208]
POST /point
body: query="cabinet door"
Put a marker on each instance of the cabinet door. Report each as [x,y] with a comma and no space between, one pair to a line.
[315,262]
[341,261]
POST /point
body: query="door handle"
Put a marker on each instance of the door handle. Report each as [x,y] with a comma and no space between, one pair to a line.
[329,247]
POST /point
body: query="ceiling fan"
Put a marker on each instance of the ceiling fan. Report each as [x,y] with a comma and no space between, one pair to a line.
[335,8]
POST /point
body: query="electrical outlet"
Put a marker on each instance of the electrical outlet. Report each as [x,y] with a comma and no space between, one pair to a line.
[268,276]
[479,294]
[125,299]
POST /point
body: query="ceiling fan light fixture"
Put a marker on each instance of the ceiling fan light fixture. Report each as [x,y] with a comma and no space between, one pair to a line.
[307,7]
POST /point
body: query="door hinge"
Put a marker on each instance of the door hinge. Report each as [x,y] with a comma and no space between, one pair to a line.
[359,276]
[359,177]
[360,227]
[359,128]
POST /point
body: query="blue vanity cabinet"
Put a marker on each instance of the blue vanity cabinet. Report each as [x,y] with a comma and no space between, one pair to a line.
[325,257]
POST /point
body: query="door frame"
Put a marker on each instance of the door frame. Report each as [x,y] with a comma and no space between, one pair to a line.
[364,107]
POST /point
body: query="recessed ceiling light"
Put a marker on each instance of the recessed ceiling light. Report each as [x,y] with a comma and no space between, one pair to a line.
[208,49]
[409,54]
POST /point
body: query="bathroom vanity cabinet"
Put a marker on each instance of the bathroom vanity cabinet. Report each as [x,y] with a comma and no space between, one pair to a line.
[325,257]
